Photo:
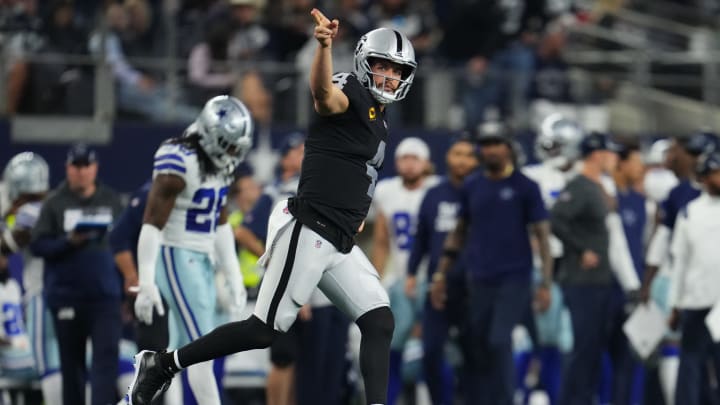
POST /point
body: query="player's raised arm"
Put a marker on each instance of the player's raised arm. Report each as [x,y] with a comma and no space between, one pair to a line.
[327,98]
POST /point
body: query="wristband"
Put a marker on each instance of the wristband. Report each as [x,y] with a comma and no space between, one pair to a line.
[452,254]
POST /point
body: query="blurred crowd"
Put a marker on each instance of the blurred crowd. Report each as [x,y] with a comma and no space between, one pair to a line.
[504,53]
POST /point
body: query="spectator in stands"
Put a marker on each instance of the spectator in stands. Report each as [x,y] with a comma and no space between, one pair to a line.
[208,72]
[250,38]
[138,38]
[401,16]
[62,87]
[492,39]
[551,79]
[289,28]
[24,24]
[137,92]
[82,287]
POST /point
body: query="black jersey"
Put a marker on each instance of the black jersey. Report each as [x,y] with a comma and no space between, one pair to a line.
[343,154]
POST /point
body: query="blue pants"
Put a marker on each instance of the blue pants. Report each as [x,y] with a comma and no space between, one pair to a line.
[622,379]
[494,310]
[321,362]
[696,349]
[100,321]
[591,311]
[439,375]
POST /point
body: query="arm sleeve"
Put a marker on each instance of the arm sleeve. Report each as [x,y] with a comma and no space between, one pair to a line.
[47,241]
[227,256]
[421,244]
[147,253]
[621,262]
[567,207]
[679,251]
[659,245]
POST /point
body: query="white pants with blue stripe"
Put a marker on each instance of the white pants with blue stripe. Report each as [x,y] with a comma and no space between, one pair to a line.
[41,332]
[186,280]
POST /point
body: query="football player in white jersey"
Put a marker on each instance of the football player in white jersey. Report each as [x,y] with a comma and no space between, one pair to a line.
[26,178]
[397,203]
[185,233]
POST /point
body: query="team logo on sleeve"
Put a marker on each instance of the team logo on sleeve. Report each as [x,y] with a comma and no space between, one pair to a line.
[372,114]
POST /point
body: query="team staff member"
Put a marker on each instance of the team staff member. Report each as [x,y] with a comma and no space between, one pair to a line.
[313,235]
[498,205]
[438,216]
[579,221]
[82,288]
[695,277]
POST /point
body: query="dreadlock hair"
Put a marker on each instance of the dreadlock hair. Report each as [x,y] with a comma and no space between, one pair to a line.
[191,141]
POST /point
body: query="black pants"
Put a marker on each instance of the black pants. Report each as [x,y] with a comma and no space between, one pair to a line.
[100,322]
[320,368]
[697,352]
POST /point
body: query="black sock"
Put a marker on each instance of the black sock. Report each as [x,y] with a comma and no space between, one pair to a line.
[227,339]
[376,327]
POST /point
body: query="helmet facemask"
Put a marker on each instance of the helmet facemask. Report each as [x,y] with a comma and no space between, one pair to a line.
[378,89]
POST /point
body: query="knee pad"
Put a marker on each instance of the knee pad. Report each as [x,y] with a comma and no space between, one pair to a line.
[378,321]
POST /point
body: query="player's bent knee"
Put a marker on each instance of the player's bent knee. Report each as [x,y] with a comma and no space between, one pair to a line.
[264,334]
[379,321]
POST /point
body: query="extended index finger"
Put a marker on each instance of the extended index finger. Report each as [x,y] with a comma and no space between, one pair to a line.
[319,17]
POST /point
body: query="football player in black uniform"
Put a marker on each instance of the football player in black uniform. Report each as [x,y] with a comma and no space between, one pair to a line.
[311,237]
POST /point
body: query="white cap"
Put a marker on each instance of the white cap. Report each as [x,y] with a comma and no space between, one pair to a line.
[413,146]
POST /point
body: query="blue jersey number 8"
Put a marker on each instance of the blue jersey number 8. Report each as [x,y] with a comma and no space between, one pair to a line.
[403,230]
[206,217]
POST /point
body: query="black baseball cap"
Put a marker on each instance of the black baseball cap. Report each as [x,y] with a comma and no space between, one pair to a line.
[81,154]
[596,141]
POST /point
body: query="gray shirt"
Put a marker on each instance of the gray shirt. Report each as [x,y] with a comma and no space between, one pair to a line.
[578,220]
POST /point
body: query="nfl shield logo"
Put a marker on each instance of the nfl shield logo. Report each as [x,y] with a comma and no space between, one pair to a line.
[318,244]
[286,210]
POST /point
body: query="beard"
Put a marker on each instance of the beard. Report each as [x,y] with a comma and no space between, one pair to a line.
[713,189]
[494,165]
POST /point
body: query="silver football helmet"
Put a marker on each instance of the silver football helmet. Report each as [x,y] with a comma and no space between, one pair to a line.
[558,141]
[388,44]
[225,127]
[26,173]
